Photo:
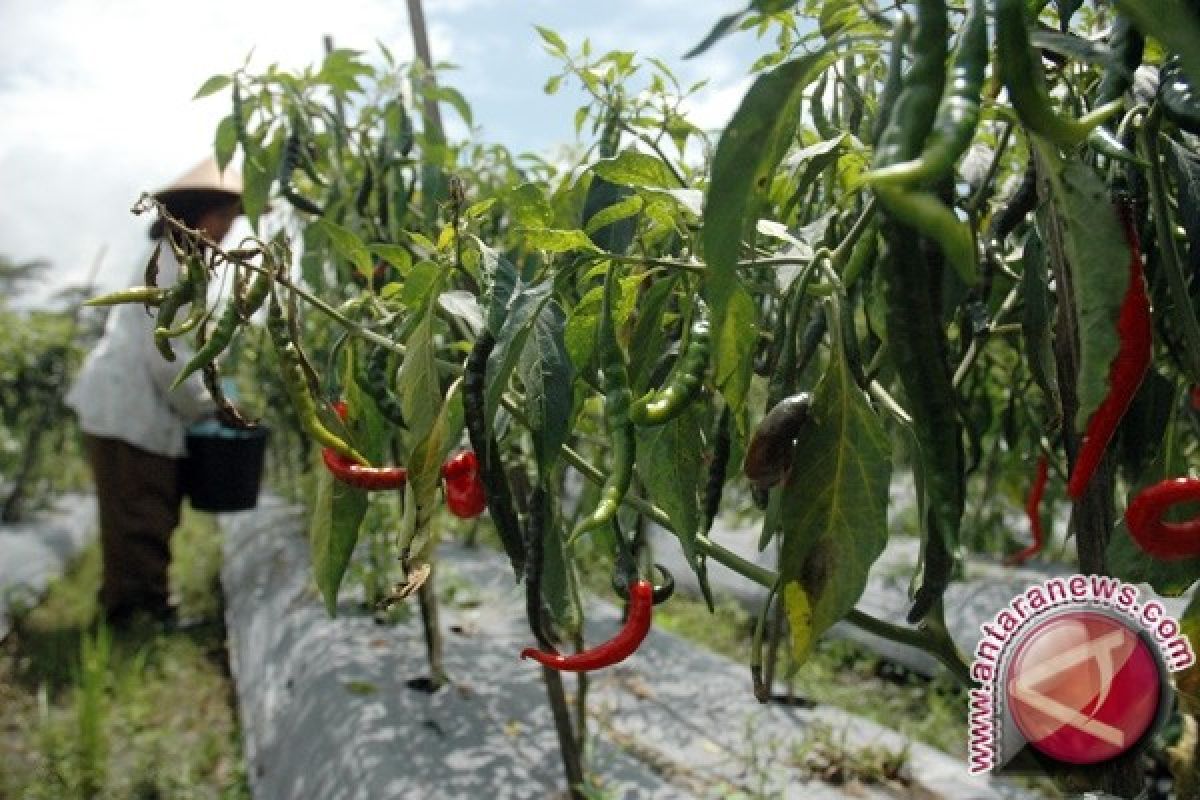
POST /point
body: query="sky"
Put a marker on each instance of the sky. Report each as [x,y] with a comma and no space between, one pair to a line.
[96,95]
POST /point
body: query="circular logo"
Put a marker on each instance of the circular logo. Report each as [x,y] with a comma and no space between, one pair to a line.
[1083,687]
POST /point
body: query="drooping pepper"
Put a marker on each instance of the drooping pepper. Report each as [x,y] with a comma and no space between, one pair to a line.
[616,649]
[769,454]
[617,400]
[465,493]
[358,475]
[1165,540]
[1125,374]
[222,334]
[1033,510]
[658,407]
[1020,71]
[150,295]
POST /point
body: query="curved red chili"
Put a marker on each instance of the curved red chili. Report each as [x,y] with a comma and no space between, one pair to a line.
[1033,510]
[464,463]
[357,475]
[616,649]
[1165,540]
[1127,369]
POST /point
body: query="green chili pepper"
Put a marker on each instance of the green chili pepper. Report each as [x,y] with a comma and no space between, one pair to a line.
[295,382]
[1127,45]
[149,295]
[617,401]
[176,298]
[236,311]
[487,450]
[1020,71]
[379,385]
[197,281]
[957,115]
[918,349]
[894,81]
[292,157]
[685,381]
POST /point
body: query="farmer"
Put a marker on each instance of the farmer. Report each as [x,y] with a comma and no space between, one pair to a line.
[133,425]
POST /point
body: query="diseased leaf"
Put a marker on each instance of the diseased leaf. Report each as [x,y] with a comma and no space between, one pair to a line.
[748,153]
[834,507]
[670,464]
[545,371]
[1098,257]
[337,515]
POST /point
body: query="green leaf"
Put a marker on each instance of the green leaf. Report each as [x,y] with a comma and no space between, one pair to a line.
[618,211]
[722,27]
[425,477]
[418,380]
[671,466]
[557,241]
[547,376]
[337,515]
[395,255]
[213,85]
[553,84]
[501,278]
[225,142]
[748,153]
[580,334]
[456,100]
[258,173]
[342,69]
[834,507]
[554,42]
[348,246]
[559,589]
[523,308]
[1098,257]
[631,168]
[1036,321]
[528,207]
[733,356]
[1129,563]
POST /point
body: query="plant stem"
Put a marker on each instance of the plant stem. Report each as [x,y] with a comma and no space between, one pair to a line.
[427,596]
[567,745]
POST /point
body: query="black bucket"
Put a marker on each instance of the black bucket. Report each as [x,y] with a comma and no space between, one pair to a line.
[224,466]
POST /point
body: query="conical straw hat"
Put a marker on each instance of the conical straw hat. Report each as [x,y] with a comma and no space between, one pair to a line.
[204,177]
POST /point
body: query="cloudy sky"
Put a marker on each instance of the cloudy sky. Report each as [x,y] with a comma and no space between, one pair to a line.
[95,97]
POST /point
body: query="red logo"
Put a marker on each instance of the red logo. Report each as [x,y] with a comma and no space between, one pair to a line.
[1083,687]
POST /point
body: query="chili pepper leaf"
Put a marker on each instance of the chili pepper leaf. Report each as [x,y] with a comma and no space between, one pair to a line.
[1036,319]
[604,216]
[670,464]
[747,155]
[1140,433]
[424,478]
[347,245]
[834,507]
[547,375]
[622,210]
[213,85]
[1172,23]
[418,384]
[1098,258]
[631,168]
[225,141]
[337,515]
[554,240]
[259,168]
[1185,169]
[525,304]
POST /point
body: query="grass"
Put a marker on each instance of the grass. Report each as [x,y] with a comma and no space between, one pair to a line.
[137,713]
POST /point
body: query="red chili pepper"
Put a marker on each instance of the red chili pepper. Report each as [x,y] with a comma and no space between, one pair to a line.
[1127,369]
[357,475]
[466,497]
[616,649]
[1033,510]
[464,463]
[1165,540]
[1194,396]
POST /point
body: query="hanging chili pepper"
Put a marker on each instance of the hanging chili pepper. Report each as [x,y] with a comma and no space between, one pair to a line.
[769,454]
[1127,370]
[616,649]
[222,334]
[1020,70]
[483,441]
[1163,540]
[292,156]
[1033,510]
[357,475]
[957,115]
[617,398]
[465,493]
[685,381]
[379,377]
[150,295]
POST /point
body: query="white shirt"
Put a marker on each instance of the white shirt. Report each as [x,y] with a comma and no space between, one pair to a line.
[121,391]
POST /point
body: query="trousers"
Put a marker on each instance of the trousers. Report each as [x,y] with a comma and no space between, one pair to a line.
[140,497]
